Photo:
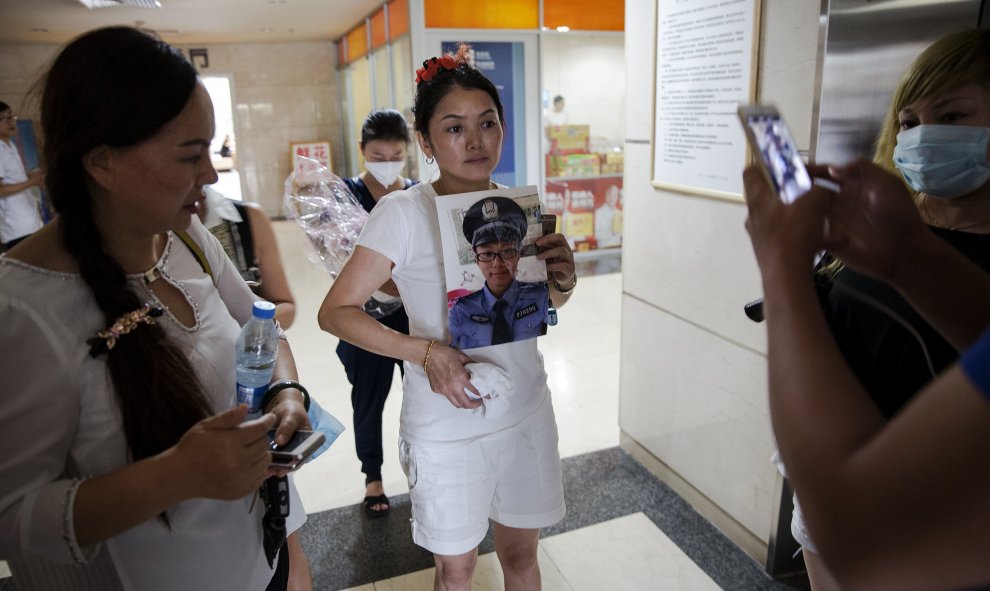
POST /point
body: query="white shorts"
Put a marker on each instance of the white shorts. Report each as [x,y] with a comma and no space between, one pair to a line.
[798,529]
[512,477]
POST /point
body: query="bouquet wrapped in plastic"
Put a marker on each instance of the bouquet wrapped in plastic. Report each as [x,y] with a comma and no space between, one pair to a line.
[332,217]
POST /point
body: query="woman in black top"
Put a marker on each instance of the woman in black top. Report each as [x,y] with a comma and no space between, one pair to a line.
[935,136]
[384,142]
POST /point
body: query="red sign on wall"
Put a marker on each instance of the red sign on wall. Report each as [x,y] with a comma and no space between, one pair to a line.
[588,210]
[319,151]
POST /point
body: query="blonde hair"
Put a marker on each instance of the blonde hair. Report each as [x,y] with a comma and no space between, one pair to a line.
[954,60]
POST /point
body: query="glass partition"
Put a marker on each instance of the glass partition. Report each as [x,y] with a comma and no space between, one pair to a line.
[359,102]
[583,129]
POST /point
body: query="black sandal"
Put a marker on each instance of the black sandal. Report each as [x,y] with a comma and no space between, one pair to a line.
[370,502]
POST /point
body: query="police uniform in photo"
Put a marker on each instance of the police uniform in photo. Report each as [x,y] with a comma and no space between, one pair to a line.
[481,319]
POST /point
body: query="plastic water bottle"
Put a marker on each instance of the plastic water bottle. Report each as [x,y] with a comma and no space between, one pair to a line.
[257,347]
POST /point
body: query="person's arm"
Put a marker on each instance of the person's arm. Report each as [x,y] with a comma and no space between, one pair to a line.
[219,457]
[890,505]
[877,230]
[288,405]
[341,315]
[35,178]
[561,272]
[274,285]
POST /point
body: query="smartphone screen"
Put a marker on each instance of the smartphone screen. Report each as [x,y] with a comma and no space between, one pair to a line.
[771,140]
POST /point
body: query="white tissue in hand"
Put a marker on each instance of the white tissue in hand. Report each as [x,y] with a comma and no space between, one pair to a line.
[495,386]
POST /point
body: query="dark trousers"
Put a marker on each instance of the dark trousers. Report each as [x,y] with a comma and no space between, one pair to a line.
[370,376]
[280,578]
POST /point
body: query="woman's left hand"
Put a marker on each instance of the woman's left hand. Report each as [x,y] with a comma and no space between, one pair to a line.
[556,251]
[290,414]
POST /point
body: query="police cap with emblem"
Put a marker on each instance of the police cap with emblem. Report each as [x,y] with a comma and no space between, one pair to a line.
[494,219]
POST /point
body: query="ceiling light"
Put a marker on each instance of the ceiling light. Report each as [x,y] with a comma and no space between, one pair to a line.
[120,3]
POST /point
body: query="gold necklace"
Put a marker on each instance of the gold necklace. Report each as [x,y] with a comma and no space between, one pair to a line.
[935,222]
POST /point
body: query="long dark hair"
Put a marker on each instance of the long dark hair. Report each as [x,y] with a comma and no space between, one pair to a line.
[429,92]
[116,87]
[384,124]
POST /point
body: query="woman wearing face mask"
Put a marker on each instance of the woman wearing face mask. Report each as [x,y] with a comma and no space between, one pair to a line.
[384,140]
[935,135]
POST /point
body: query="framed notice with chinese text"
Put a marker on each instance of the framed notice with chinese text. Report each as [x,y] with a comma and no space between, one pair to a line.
[319,151]
[705,68]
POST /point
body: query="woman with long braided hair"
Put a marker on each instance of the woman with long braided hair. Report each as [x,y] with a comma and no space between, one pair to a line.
[127,464]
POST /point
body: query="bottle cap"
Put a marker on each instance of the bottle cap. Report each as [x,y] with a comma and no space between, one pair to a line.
[264,310]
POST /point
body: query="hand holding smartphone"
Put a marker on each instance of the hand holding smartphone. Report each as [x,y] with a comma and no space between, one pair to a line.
[776,151]
[294,453]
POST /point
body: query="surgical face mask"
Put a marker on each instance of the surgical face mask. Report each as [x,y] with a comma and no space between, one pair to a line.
[945,161]
[384,172]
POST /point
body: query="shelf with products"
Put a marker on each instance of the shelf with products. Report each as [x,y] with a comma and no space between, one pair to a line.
[584,187]
[564,179]
[572,153]
[588,210]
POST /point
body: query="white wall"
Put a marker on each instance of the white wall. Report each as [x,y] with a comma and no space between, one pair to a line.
[282,92]
[586,69]
[693,372]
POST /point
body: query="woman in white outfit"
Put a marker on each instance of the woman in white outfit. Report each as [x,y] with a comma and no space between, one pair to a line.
[463,469]
[127,464]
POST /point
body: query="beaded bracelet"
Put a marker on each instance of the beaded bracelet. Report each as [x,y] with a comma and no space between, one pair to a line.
[426,360]
[280,385]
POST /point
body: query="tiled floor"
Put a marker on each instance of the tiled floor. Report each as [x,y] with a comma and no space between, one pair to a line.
[584,376]
[626,551]
[603,543]
[624,529]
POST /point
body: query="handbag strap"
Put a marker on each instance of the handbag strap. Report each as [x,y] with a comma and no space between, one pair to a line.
[197,252]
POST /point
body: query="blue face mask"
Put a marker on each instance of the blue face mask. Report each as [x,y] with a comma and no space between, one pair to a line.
[945,161]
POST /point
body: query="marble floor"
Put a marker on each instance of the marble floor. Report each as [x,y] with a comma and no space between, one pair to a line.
[608,541]
[584,376]
[624,528]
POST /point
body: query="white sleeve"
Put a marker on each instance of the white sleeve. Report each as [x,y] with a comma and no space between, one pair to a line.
[234,291]
[38,418]
[387,229]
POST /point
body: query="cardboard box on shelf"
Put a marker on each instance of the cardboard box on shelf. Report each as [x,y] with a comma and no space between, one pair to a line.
[568,139]
[573,165]
[611,163]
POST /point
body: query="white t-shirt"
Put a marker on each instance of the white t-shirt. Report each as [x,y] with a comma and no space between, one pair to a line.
[18,212]
[62,418]
[404,228]
[552,118]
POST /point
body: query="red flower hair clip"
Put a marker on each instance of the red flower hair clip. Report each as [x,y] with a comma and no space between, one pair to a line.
[434,65]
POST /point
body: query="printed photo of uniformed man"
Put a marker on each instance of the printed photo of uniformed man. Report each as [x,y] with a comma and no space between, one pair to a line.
[496,288]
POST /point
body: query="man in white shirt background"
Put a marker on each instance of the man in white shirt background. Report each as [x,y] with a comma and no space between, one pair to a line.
[556,115]
[19,215]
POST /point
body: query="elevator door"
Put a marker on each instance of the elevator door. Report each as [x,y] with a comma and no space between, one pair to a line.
[868,44]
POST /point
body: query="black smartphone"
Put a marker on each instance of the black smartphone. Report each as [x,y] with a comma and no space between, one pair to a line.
[773,144]
[300,446]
